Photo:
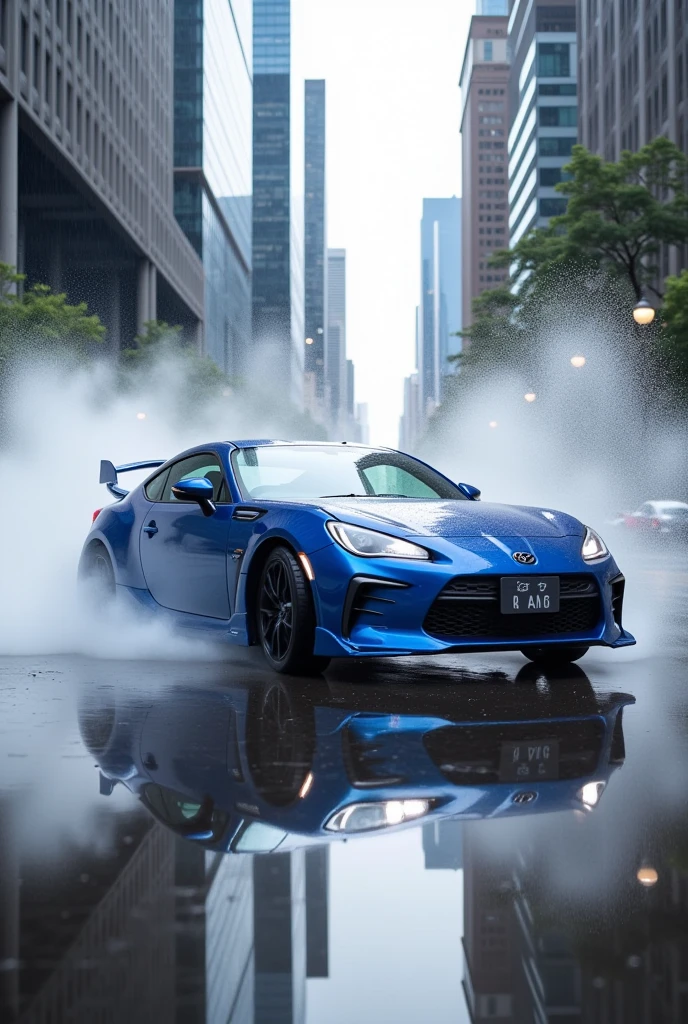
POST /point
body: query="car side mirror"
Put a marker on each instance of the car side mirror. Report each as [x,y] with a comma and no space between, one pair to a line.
[470,492]
[198,489]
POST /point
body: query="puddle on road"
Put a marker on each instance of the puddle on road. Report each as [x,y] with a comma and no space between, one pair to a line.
[202,842]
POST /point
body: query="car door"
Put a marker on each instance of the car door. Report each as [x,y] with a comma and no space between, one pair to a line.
[184,552]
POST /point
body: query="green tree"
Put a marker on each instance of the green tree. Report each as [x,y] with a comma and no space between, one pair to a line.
[40,321]
[675,332]
[617,218]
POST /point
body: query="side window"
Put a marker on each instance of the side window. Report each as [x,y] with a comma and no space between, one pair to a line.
[155,487]
[196,466]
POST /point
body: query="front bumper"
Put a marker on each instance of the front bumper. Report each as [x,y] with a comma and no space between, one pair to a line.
[373,607]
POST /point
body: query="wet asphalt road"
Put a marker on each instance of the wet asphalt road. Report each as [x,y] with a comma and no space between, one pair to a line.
[541,871]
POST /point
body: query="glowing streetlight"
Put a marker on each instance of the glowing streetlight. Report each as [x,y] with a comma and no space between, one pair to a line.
[493,423]
[647,876]
[643,312]
[140,415]
[309,341]
[578,361]
[530,396]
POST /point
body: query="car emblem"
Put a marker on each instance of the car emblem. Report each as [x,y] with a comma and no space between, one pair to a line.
[524,797]
[524,558]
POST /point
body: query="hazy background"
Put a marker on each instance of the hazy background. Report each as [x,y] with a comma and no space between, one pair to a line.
[392,71]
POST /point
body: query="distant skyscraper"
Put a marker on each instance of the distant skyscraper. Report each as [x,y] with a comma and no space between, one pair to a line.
[544,114]
[408,425]
[633,83]
[443,845]
[484,125]
[315,246]
[278,155]
[212,156]
[335,352]
[440,303]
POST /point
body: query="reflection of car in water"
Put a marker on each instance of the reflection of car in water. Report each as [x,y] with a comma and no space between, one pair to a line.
[277,764]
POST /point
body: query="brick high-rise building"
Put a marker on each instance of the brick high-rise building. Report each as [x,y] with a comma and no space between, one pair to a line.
[484,126]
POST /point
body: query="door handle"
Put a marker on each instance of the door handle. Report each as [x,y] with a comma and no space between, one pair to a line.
[151,528]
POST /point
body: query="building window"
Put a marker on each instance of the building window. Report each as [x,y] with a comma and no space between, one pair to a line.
[487,50]
[550,176]
[559,117]
[24,57]
[552,207]
[554,60]
[556,19]
[557,89]
[556,147]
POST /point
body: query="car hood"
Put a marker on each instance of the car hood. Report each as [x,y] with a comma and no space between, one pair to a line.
[429,518]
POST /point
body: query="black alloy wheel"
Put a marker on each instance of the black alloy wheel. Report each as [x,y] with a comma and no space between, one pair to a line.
[286,617]
[553,656]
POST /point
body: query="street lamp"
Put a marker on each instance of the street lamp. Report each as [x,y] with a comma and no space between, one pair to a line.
[493,423]
[643,312]
[578,361]
[647,876]
[140,415]
[530,396]
[309,341]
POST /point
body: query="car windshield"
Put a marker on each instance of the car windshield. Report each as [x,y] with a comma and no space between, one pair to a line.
[285,472]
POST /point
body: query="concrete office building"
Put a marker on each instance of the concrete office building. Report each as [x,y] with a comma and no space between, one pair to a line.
[440,312]
[543,106]
[484,86]
[86,183]
[335,352]
[278,220]
[315,248]
[213,101]
[633,82]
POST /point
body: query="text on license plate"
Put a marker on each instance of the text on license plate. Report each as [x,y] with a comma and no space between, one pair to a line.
[529,594]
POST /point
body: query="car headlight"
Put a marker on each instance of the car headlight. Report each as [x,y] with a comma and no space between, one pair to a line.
[370,816]
[590,794]
[593,546]
[371,544]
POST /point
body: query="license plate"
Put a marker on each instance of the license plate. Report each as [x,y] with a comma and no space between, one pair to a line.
[532,595]
[529,760]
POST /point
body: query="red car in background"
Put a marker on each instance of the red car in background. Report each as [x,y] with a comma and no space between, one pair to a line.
[657,517]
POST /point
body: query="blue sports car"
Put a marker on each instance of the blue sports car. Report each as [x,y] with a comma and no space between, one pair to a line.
[317,551]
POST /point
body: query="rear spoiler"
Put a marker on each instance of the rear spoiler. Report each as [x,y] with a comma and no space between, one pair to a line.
[109,473]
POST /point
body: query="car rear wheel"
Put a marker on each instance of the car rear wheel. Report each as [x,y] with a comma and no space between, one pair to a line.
[286,616]
[98,575]
[553,656]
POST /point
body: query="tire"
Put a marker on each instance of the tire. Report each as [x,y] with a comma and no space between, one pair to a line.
[285,616]
[98,576]
[554,656]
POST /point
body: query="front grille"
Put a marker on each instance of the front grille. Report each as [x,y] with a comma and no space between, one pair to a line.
[470,755]
[468,607]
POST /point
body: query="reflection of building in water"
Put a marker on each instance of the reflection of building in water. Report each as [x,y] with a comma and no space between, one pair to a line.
[532,955]
[443,845]
[159,931]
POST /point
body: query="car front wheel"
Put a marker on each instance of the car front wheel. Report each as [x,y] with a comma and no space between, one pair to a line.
[553,656]
[286,617]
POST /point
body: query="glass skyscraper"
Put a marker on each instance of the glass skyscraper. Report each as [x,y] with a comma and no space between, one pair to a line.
[439,316]
[315,246]
[278,220]
[213,95]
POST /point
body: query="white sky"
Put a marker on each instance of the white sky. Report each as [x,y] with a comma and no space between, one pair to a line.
[392,70]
